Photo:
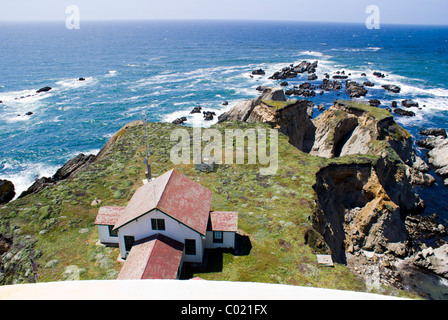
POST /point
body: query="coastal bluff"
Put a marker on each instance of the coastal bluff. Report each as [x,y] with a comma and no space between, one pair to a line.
[364,198]
[280,215]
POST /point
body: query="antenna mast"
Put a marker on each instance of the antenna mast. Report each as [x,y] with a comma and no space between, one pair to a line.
[147,160]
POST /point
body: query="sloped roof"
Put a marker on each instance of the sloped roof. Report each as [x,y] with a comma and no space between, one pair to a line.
[223,221]
[174,194]
[108,215]
[155,257]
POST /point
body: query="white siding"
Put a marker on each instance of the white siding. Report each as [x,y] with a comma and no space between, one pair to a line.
[141,228]
[228,240]
[105,237]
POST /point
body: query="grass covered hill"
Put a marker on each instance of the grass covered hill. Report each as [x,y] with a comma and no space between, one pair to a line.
[54,227]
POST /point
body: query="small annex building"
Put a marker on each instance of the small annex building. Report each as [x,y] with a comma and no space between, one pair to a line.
[166,222]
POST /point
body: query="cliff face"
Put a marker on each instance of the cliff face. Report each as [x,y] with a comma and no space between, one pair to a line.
[355,210]
[362,201]
[363,205]
[291,117]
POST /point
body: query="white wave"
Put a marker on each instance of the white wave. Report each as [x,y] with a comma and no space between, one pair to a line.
[311,53]
[13,118]
[197,119]
[19,98]
[28,174]
[111,73]
[135,65]
[74,83]
[192,77]
[373,49]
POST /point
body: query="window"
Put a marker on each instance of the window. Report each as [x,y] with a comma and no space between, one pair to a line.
[190,247]
[218,237]
[128,242]
[112,233]
[158,224]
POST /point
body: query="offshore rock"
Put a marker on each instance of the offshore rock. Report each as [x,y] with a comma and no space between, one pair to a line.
[329,85]
[409,103]
[44,89]
[434,260]
[355,90]
[438,154]
[7,191]
[404,113]
[392,88]
[434,132]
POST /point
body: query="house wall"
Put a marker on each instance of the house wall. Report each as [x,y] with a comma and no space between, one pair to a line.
[141,228]
[105,237]
[228,240]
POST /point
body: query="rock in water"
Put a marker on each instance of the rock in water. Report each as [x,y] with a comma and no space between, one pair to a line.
[392,88]
[404,113]
[434,132]
[196,110]
[329,85]
[44,89]
[438,158]
[208,115]
[434,260]
[259,72]
[7,191]
[180,120]
[409,103]
[355,90]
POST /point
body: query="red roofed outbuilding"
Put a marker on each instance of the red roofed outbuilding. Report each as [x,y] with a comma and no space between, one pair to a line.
[173,207]
[155,257]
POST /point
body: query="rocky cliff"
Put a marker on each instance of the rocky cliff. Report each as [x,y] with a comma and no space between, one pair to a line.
[78,164]
[291,117]
[362,206]
[366,193]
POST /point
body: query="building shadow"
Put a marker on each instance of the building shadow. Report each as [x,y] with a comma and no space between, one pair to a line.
[212,261]
[243,246]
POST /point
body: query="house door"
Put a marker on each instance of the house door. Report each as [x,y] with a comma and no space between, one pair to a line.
[128,242]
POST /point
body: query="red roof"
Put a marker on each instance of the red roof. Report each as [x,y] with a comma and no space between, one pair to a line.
[174,194]
[108,215]
[155,257]
[223,221]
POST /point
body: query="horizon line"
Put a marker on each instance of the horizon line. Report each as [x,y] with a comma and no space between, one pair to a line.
[220,20]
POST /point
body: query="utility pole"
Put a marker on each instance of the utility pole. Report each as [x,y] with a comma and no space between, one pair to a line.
[147,160]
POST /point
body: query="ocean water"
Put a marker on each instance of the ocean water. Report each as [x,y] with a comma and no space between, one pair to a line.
[165,68]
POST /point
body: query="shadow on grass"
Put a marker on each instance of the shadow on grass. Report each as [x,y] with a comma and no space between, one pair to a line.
[213,258]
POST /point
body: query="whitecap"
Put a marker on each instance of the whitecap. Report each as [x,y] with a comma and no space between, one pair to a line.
[73,83]
[366,49]
[28,174]
[311,53]
[197,119]
[111,73]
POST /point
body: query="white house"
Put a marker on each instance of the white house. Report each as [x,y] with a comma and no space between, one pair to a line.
[168,215]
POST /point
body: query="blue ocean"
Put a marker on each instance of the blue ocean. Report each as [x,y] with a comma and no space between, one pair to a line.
[165,68]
